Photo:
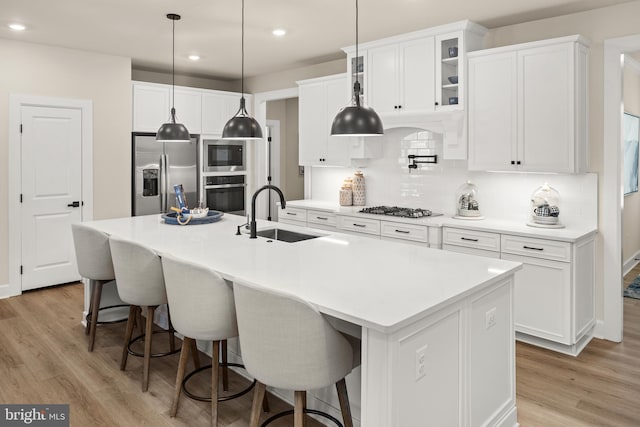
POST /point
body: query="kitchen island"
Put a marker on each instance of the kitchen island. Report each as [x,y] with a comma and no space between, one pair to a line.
[436,327]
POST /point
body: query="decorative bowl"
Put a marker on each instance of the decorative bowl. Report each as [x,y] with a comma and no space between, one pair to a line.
[453,79]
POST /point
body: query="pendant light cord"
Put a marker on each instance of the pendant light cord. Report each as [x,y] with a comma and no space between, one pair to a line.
[356,85]
[173,72]
[242,51]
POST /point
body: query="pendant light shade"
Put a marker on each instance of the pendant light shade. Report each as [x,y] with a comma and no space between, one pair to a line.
[356,119]
[242,125]
[172,131]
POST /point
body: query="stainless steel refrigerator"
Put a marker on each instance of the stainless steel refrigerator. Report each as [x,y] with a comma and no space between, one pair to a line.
[157,167]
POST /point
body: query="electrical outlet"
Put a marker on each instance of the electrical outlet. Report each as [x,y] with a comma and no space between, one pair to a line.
[490,318]
[421,368]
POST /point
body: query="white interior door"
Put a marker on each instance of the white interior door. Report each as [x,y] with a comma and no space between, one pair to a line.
[51,165]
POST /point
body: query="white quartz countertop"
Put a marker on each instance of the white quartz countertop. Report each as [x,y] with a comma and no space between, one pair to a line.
[375,284]
[571,233]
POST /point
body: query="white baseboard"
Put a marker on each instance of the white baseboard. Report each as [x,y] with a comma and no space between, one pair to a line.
[598,331]
[7,292]
[630,263]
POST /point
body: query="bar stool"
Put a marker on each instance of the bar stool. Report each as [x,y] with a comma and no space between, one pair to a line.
[94,263]
[202,308]
[140,283]
[286,343]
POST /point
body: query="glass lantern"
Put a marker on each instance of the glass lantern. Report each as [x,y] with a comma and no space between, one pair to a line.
[545,206]
[467,204]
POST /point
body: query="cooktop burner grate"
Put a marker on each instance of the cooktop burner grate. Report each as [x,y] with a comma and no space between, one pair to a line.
[398,211]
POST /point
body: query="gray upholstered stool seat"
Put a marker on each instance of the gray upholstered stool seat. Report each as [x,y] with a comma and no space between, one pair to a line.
[286,343]
[202,308]
[140,283]
[94,263]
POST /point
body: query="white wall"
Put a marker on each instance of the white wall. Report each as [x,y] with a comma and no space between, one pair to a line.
[39,70]
[501,195]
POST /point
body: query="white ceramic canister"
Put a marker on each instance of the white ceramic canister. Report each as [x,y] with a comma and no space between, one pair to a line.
[346,196]
[359,190]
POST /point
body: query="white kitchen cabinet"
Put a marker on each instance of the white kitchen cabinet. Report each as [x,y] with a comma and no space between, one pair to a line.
[319,101]
[554,292]
[449,95]
[542,298]
[409,73]
[401,76]
[151,106]
[528,107]
[188,104]
[217,109]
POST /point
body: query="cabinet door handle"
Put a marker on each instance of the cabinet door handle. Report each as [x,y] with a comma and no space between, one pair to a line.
[532,248]
[322,218]
[437,103]
[403,231]
[513,162]
[399,106]
[468,239]
[359,225]
[291,213]
[518,162]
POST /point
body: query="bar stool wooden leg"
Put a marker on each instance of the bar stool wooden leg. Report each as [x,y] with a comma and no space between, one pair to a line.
[343,397]
[258,399]
[95,302]
[127,336]
[215,365]
[92,283]
[172,335]
[225,371]
[298,410]
[182,366]
[194,353]
[147,348]
[265,403]
[139,321]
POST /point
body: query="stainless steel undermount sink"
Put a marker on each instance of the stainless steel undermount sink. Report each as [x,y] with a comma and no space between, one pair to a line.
[285,235]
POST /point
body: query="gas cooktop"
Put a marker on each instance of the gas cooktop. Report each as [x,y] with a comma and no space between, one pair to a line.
[398,211]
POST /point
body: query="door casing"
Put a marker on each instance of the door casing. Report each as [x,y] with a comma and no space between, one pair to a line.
[16,102]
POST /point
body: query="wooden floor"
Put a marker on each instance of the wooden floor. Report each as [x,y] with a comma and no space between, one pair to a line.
[44,359]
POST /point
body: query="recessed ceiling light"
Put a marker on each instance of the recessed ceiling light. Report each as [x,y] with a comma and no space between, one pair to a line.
[279,32]
[17,27]
[194,57]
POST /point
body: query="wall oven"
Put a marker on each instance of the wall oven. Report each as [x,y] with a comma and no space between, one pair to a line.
[224,156]
[226,193]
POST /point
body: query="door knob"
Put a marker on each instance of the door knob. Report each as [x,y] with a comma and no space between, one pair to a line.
[75,204]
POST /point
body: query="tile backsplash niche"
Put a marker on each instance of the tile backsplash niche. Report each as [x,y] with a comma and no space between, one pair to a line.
[504,196]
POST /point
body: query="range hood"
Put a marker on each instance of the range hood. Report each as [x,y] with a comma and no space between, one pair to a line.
[451,124]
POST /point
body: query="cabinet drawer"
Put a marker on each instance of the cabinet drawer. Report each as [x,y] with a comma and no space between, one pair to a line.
[294,214]
[471,239]
[359,225]
[471,251]
[320,217]
[404,231]
[539,248]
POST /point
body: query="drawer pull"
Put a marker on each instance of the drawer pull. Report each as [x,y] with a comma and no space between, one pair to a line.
[359,225]
[322,218]
[532,248]
[402,231]
[291,213]
[470,240]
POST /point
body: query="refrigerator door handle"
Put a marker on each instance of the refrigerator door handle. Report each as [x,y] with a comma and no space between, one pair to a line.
[163,183]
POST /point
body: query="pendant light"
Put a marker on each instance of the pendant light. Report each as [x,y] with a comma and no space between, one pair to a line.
[242,125]
[172,131]
[356,119]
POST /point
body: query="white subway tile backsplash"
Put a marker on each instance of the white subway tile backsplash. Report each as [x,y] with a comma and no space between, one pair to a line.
[506,196]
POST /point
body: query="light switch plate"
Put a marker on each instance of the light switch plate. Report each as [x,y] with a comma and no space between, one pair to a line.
[421,368]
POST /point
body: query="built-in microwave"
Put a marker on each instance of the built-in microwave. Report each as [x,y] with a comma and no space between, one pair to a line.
[223,156]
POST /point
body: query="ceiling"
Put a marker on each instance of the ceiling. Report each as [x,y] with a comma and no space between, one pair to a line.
[316,29]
